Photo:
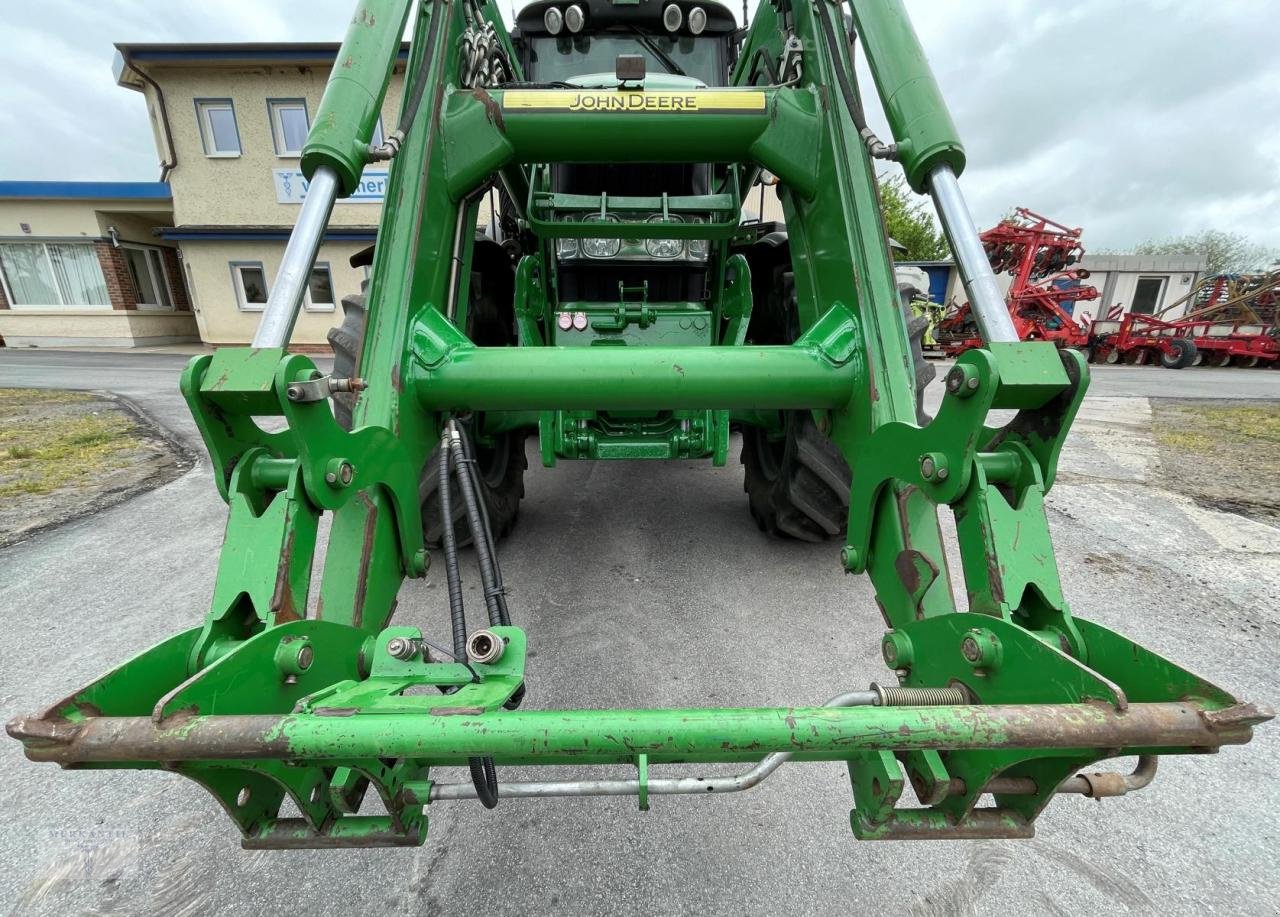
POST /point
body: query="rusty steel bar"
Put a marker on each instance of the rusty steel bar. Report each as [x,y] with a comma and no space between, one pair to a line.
[605,736]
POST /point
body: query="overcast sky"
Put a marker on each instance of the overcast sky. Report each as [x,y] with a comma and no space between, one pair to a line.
[1132,118]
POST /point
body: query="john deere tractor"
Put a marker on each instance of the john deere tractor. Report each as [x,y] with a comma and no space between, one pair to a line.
[618,306]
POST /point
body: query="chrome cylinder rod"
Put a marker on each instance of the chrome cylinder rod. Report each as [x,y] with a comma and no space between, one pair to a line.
[276,326]
[986,302]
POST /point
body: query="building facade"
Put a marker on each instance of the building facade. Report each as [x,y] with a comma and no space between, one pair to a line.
[229,123]
[81,264]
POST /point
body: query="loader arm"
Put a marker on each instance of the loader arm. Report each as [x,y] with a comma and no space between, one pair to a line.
[1010,695]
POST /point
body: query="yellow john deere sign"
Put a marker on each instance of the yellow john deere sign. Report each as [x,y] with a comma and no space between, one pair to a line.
[561,100]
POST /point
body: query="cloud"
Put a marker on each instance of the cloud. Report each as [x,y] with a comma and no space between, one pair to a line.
[1134,120]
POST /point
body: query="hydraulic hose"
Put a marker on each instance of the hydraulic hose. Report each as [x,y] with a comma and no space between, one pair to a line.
[473,471]
[875,146]
[484,776]
[391,145]
[484,556]
[457,613]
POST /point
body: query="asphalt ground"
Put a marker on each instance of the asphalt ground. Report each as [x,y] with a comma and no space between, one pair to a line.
[649,585]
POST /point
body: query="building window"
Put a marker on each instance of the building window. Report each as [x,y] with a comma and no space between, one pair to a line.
[218,127]
[289,125]
[52,276]
[320,296]
[1147,295]
[250,281]
[150,279]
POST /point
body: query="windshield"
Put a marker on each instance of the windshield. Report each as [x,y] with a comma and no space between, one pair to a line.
[567,56]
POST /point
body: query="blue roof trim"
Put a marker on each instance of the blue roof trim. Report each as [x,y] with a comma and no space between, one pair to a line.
[251,54]
[234,235]
[87,190]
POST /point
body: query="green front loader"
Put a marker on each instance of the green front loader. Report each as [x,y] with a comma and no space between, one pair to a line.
[617,305]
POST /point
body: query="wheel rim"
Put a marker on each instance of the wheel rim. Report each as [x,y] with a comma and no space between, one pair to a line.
[1113,356]
[1248,362]
[1198,359]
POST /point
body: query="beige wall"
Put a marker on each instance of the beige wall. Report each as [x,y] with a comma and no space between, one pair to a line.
[221,321]
[241,191]
[49,219]
[90,328]
[88,219]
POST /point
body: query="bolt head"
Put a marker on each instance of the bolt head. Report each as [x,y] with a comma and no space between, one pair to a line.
[927,467]
[346,473]
[955,379]
[973,384]
[331,478]
[889,651]
[293,392]
[306,656]
[970,650]
[848,558]
[943,474]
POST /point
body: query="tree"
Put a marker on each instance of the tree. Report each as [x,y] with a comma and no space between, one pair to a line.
[909,222]
[1226,252]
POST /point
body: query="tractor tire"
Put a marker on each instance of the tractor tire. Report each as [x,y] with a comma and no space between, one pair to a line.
[798,487]
[1219,360]
[501,467]
[1183,354]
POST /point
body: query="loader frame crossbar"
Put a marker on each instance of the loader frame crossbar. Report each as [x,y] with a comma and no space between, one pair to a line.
[265,701]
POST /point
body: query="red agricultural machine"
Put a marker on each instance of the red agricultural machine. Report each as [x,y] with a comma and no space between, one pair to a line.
[1230,321]
[1039,253]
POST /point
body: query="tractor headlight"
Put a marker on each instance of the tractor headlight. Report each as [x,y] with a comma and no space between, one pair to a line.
[575,19]
[672,17]
[697,20]
[664,248]
[566,248]
[553,20]
[601,248]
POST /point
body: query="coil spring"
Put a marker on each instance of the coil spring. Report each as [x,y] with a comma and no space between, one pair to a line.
[894,696]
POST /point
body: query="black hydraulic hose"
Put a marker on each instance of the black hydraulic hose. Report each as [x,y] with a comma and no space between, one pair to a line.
[457,613]
[392,143]
[875,146]
[420,78]
[473,468]
[762,56]
[483,773]
[484,557]
[484,777]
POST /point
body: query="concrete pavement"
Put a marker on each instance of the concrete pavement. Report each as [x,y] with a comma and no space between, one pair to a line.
[644,584]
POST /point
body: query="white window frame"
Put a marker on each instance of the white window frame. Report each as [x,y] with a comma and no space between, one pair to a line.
[148,251]
[274,108]
[237,283]
[15,306]
[1163,288]
[312,306]
[203,107]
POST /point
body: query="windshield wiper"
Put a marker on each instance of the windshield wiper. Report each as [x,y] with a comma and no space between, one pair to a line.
[653,48]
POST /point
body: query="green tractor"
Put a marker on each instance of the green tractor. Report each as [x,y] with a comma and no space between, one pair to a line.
[618,306]
[637,289]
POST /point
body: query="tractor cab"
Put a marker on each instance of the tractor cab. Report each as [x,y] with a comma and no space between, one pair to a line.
[566,42]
